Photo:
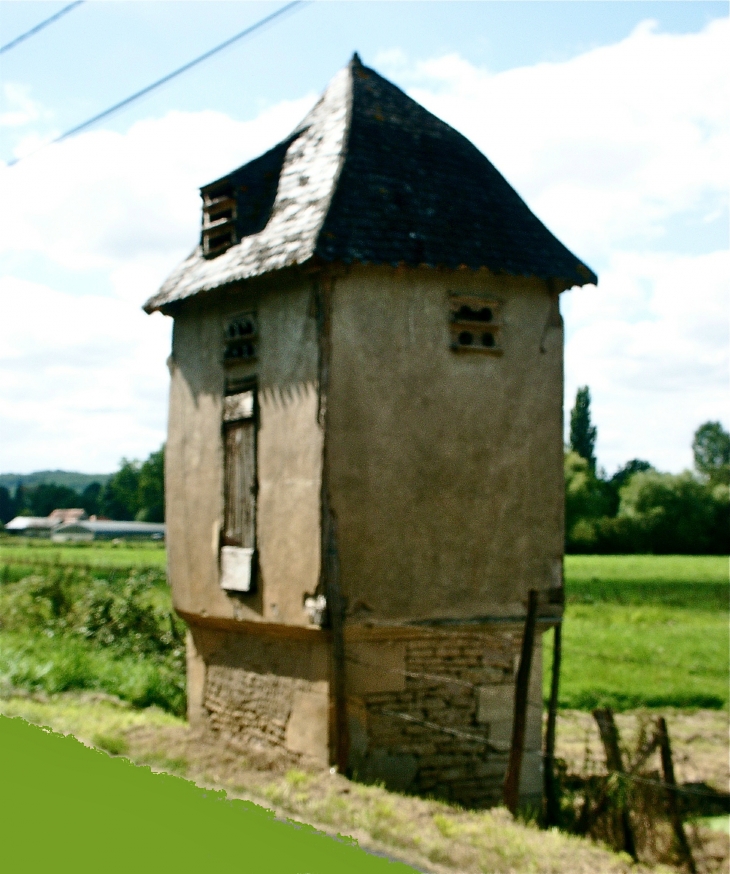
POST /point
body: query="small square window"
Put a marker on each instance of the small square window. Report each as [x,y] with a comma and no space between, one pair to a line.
[475,324]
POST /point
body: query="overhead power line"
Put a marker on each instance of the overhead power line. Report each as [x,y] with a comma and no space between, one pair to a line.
[204,57]
[23,36]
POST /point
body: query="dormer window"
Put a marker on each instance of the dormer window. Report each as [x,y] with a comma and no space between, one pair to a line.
[219,220]
[474,324]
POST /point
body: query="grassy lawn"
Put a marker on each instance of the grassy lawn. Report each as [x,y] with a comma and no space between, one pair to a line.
[639,631]
[78,626]
[128,554]
[644,631]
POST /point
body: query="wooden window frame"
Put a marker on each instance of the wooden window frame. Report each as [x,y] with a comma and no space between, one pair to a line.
[241,338]
[238,552]
[220,212]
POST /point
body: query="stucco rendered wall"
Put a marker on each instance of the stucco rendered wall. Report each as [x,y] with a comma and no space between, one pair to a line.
[444,475]
[440,722]
[445,468]
[289,448]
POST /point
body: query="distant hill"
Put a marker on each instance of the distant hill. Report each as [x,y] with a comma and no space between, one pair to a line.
[68,478]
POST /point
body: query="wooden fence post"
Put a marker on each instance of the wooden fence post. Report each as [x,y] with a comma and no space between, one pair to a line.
[675,816]
[514,767]
[614,762]
[552,795]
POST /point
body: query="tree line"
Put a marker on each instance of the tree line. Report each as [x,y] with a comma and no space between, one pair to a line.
[135,491]
[636,510]
[640,509]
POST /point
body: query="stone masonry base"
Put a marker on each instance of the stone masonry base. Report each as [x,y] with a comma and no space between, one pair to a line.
[429,711]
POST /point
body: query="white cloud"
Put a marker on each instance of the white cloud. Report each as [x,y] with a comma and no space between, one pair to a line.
[607,146]
[107,200]
[19,108]
[84,379]
[609,149]
[652,343]
[393,60]
[83,376]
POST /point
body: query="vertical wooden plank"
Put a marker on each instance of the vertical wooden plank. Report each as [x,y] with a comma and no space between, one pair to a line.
[248,483]
[330,557]
[552,797]
[675,816]
[240,484]
[231,532]
[514,767]
[614,762]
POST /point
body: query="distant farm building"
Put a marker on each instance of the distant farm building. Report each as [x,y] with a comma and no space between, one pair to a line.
[107,529]
[31,526]
[364,464]
[67,515]
[73,525]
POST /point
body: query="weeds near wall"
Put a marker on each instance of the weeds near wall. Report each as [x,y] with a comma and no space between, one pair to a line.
[63,627]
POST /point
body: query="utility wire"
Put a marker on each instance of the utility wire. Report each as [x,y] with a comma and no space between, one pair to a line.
[23,36]
[122,103]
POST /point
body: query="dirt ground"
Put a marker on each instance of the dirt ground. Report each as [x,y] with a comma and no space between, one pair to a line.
[700,749]
[699,741]
[429,835]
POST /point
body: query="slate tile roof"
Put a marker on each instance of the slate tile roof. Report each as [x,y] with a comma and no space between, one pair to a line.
[371,176]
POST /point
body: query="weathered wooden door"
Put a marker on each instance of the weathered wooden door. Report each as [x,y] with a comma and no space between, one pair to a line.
[239,528]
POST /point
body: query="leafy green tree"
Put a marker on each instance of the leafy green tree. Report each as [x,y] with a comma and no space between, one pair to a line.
[20,499]
[46,497]
[586,501]
[582,431]
[676,513]
[7,505]
[619,480]
[89,499]
[119,499]
[136,490]
[152,488]
[711,448]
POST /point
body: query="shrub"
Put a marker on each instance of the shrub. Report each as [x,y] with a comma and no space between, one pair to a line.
[676,513]
[64,629]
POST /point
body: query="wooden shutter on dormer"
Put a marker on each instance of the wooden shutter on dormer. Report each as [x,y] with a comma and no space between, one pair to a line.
[220,212]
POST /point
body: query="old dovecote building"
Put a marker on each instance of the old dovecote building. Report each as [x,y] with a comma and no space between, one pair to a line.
[365,448]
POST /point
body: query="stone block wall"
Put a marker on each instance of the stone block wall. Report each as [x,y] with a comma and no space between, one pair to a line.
[446,730]
[266,696]
[283,719]
[430,711]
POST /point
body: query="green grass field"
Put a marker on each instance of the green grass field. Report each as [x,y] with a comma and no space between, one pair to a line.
[644,631]
[639,630]
[100,554]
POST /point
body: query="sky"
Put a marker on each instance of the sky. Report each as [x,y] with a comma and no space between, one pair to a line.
[611,119]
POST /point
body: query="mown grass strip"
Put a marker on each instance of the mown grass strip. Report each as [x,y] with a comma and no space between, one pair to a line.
[640,631]
[55,780]
[649,656]
[581,569]
[101,554]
